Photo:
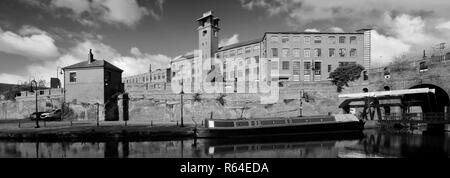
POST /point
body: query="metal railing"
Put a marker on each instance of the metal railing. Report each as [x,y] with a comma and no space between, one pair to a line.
[418,117]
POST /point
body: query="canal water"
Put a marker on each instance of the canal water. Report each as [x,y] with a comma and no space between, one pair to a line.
[369,144]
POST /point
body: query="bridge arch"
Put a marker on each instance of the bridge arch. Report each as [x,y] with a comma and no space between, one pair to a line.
[429,103]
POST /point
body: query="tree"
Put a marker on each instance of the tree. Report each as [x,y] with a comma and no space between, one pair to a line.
[342,75]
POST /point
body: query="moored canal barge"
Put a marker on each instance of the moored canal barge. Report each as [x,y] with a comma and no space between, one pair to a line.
[280,126]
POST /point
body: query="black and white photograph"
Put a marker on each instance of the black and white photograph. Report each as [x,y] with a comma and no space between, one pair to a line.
[212,79]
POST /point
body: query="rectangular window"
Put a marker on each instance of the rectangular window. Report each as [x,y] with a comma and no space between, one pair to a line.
[317,68]
[307,40]
[274,52]
[73,77]
[329,68]
[296,68]
[331,52]
[285,39]
[331,40]
[248,50]
[225,55]
[307,67]
[256,48]
[296,52]
[317,52]
[232,53]
[342,39]
[108,77]
[257,59]
[285,65]
[353,40]
[274,39]
[317,40]
[342,52]
[307,53]
[248,61]
[239,51]
[353,52]
[285,52]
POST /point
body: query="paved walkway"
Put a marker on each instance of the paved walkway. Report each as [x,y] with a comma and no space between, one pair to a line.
[88,130]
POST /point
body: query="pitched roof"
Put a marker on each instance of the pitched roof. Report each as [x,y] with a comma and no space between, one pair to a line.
[224,48]
[96,63]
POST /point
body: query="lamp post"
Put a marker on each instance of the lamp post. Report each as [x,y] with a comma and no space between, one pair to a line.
[59,71]
[182,102]
[301,102]
[36,93]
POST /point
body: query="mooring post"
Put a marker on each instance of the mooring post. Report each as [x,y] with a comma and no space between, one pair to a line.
[212,115]
[446,112]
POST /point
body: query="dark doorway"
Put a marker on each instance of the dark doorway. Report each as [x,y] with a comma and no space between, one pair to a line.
[429,102]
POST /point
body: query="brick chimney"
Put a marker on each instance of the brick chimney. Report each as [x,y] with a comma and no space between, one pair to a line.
[91,57]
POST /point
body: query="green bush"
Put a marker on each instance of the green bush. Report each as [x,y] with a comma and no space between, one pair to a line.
[342,75]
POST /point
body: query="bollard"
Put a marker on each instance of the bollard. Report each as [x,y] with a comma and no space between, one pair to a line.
[19,124]
[177,123]
[202,123]
[71,124]
[151,124]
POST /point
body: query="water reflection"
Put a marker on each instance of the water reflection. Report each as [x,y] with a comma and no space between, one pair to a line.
[371,143]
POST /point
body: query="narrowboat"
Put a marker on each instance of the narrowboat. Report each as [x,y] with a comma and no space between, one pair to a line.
[337,123]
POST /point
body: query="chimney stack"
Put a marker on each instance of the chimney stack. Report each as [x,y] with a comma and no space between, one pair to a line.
[91,57]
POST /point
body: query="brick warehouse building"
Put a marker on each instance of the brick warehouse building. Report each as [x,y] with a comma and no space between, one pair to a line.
[303,56]
[158,79]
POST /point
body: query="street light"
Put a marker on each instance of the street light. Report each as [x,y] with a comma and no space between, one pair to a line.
[182,102]
[36,93]
[59,71]
[302,94]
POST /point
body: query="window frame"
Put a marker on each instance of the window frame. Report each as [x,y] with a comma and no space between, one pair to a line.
[70,77]
[285,65]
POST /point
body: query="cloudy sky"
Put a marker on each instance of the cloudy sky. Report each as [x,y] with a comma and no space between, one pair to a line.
[37,36]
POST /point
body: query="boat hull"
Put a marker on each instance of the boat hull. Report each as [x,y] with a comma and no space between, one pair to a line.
[315,128]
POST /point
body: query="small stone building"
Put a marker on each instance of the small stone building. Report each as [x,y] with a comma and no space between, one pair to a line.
[94,81]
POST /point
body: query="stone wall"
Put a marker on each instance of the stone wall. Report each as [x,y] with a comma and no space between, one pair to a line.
[165,107]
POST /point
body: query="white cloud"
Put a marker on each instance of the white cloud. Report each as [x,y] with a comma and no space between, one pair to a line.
[385,49]
[443,26]
[412,30]
[312,30]
[11,79]
[77,6]
[137,63]
[32,43]
[135,51]
[229,41]
[127,12]
[336,29]
[90,12]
